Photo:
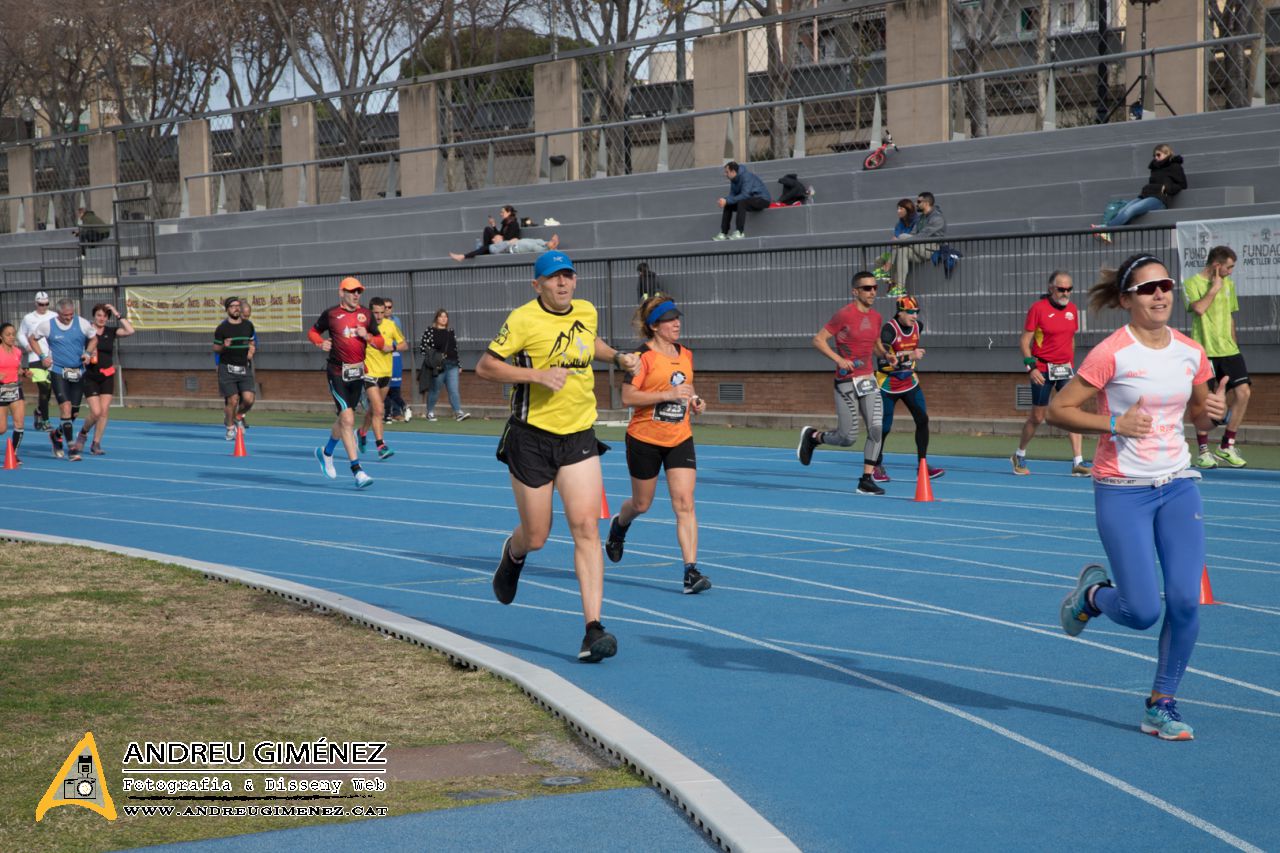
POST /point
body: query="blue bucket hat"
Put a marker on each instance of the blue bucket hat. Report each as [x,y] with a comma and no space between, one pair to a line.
[550,263]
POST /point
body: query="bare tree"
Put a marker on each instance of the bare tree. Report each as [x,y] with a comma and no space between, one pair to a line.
[780,46]
[353,44]
[977,26]
[1236,18]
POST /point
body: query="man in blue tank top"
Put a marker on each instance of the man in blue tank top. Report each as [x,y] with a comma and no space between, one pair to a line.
[70,341]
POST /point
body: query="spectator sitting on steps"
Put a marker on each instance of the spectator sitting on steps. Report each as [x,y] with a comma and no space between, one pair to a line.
[930,224]
[1166,181]
[746,192]
[494,234]
[92,229]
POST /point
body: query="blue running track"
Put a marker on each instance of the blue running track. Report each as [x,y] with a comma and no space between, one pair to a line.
[868,673]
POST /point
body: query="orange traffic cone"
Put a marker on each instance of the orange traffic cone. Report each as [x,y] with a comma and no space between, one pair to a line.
[924,486]
[10,456]
[604,504]
[239,449]
[1206,588]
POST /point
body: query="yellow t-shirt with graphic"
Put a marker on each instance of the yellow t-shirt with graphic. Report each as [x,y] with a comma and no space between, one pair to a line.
[376,362]
[538,338]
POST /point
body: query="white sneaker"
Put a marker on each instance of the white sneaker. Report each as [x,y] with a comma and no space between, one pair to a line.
[363,480]
[462,416]
[231,433]
[737,235]
[326,464]
[431,416]
[550,223]
[408,414]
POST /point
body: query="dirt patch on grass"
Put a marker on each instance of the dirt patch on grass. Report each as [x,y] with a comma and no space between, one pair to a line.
[134,650]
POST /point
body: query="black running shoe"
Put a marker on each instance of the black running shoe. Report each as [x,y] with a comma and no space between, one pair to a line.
[617,539]
[867,486]
[507,576]
[695,582]
[598,644]
[804,450]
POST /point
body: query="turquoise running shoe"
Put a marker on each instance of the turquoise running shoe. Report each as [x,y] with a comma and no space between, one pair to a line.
[1074,612]
[362,440]
[326,464]
[1162,720]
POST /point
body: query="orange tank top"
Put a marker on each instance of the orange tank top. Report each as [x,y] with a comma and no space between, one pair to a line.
[664,424]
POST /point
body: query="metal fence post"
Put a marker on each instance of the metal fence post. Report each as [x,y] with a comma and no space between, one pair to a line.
[1051,102]
[1259,73]
[393,177]
[302,186]
[877,123]
[260,190]
[222,195]
[51,216]
[344,191]
[184,209]
[442,171]
[602,155]
[544,161]
[491,167]
[798,151]
[664,153]
[1149,85]
[730,146]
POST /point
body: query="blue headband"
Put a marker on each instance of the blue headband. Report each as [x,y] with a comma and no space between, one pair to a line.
[660,309]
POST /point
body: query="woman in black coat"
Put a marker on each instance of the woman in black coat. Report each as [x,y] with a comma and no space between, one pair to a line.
[439,338]
[1166,181]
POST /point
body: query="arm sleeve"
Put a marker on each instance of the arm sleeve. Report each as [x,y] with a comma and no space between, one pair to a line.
[1193,291]
[1177,180]
[87,328]
[1032,322]
[637,378]
[1099,367]
[887,335]
[321,325]
[1204,371]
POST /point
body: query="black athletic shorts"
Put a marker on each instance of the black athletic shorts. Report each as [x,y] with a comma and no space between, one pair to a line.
[1231,366]
[645,460]
[534,456]
[232,383]
[346,395]
[66,392]
[377,381]
[97,385]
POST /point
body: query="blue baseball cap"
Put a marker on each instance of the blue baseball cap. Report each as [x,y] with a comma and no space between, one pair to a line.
[550,263]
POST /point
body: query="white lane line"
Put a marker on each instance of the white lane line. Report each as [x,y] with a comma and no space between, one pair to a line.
[1182,700]
[1144,637]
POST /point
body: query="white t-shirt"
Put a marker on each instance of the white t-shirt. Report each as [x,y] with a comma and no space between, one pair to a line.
[30,323]
[1124,370]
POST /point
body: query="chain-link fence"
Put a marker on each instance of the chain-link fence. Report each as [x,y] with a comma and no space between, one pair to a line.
[150,153]
[1230,70]
[810,58]
[246,140]
[487,106]
[356,128]
[61,164]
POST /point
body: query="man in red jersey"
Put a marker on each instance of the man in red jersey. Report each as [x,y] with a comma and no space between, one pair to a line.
[1048,351]
[855,332]
[351,328]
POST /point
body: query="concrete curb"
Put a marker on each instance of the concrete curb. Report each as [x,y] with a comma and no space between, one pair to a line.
[724,816]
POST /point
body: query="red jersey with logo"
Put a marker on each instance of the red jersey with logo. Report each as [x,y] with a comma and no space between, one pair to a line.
[855,332]
[1055,332]
[897,375]
[341,324]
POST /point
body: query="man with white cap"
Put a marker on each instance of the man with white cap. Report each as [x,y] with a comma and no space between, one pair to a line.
[39,375]
[352,328]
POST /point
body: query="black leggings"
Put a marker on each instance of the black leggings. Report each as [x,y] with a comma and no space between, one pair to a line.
[489,233]
[915,404]
[754,203]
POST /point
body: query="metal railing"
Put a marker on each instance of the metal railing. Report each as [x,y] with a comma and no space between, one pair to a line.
[754,310]
[651,144]
[60,205]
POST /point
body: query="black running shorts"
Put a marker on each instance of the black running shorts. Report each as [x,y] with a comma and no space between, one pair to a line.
[1231,366]
[66,392]
[97,385]
[534,456]
[346,395]
[645,460]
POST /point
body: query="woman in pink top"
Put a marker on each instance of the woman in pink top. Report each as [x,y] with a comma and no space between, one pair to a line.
[11,372]
[1147,379]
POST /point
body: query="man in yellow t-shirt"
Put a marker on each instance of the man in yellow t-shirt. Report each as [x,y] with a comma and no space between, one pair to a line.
[377,377]
[1212,302]
[549,443]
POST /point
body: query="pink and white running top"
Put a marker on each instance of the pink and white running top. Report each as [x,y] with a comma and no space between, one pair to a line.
[1124,370]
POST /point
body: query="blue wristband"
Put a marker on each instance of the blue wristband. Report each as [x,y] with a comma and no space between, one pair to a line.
[1113,424]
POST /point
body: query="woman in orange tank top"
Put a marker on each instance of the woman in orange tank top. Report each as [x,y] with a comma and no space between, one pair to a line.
[659,436]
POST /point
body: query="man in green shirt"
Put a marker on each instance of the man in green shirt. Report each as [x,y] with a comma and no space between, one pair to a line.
[1211,300]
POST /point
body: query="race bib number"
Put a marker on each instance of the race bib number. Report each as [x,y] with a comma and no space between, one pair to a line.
[237,369]
[71,374]
[10,393]
[353,372]
[864,385]
[1060,371]
[670,412]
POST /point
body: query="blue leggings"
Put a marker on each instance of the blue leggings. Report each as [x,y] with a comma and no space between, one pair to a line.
[1135,524]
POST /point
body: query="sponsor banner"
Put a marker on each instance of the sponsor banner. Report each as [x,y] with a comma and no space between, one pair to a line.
[276,306]
[1255,240]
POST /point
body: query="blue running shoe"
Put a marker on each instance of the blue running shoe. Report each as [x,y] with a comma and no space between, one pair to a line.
[385,452]
[326,464]
[1163,720]
[1075,609]
[362,440]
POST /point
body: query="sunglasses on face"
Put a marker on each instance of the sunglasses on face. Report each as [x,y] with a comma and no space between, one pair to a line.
[1147,288]
[1064,289]
[866,287]
[910,310]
